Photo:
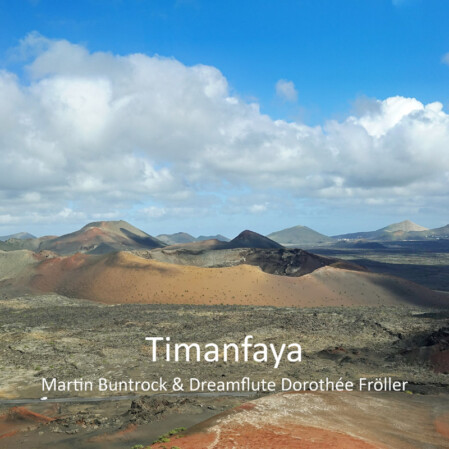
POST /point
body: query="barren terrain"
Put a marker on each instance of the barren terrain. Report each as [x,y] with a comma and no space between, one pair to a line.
[350,322]
[55,336]
[123,277]
[325,421]
[426,263]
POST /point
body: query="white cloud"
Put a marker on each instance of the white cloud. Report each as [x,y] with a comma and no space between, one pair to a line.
[286,91]
[154,212]
[387,114]
[97,134]
[445,59]
[258,208]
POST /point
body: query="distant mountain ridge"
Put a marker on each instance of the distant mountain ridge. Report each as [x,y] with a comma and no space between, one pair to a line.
[246,239]
[98,237]
[304,237]
[405,230]
[184,237]
[178,237]
[220,237]
[102,237]
[18,236]
[442,232]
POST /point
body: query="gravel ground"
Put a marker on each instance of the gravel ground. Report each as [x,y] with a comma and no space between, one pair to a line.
[53,336]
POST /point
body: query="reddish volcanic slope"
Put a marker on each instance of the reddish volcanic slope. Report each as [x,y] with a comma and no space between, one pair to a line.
[325,421]
[126,278]
[102,237]
[18,419]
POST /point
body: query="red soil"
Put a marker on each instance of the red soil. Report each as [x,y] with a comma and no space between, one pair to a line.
[18,419]
[88,236]
[325,421]
[442,425]
[440,361]
[23,414]
[126,278]
[7,434]
[271,437]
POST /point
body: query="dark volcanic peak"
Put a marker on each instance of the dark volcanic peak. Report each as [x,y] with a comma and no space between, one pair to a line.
[250,239]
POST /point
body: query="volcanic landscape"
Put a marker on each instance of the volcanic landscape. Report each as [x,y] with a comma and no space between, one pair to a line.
[80,306]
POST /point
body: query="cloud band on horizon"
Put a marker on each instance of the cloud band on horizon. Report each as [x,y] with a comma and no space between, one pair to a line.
[98,134]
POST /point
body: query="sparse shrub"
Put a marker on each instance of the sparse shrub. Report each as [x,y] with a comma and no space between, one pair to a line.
[162,439]
[165,438]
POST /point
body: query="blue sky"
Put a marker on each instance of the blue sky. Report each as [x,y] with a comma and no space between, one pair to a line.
[332,50]
[311,63]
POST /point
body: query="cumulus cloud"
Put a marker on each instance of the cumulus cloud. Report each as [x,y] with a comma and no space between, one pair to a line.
[98,134]
[286,91]
[445,59]
[258,208]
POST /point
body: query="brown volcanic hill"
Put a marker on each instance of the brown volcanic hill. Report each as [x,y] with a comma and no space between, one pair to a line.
[250,239]
[102,237]
[301,236]
[404,226]
[126,278]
